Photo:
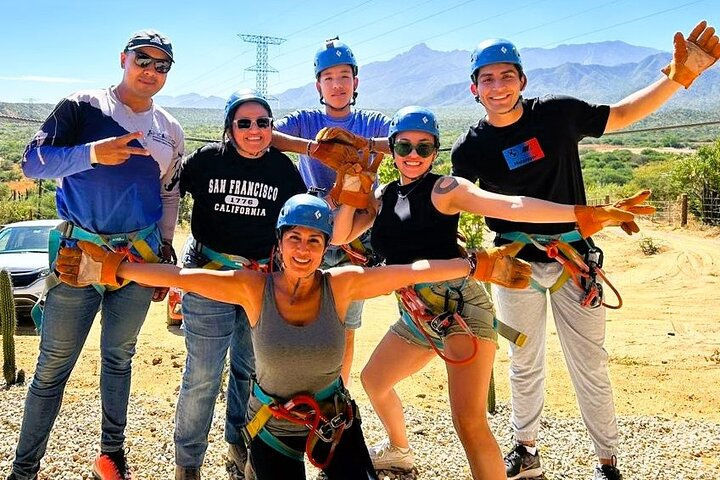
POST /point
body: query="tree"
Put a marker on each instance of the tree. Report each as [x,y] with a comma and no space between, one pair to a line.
[699,176]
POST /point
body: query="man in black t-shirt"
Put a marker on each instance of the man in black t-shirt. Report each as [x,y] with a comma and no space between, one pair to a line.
[238,188]
[529,147]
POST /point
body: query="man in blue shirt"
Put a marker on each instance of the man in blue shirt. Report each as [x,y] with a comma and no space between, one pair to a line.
[114,154]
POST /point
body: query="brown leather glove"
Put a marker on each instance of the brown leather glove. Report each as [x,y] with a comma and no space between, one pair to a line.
[593,219]
[693,55]
[498,265]
[353,184]
[167,255]
[88,264]
[337,147]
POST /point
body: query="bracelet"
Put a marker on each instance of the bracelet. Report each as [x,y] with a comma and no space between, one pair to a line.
[471,258]
[307,149]
[371,144]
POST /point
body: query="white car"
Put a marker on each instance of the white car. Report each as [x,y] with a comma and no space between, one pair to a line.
[24,253]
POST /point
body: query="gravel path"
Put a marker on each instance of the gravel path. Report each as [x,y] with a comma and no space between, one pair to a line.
[652,448]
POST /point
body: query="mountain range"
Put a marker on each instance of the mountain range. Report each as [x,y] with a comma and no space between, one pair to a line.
[602,72]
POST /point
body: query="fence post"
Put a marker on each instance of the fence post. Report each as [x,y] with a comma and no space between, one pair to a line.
[683,210]
[607,199]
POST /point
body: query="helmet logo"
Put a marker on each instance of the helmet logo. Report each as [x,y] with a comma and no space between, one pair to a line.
[503,50]
[425,120]
[338,53]
[318,215]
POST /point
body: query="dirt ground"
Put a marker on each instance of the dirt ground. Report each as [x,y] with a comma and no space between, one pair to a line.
[664,343]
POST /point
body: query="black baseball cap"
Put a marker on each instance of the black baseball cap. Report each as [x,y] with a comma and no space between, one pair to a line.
[150,38]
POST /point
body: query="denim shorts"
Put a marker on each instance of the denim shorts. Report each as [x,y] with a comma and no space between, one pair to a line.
[477,311]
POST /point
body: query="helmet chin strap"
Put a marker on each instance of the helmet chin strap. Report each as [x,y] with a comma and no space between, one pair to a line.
[349,104]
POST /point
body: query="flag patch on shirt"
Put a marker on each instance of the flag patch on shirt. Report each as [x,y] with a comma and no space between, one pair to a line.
[523,153]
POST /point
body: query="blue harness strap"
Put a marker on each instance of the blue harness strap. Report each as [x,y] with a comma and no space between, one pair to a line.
[219,260]
[66,230]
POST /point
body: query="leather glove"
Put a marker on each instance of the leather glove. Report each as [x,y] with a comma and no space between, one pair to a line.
[498,265]
[337,147]
[353,184]
[591,220]
[167,255]
[693,55]
[88,264]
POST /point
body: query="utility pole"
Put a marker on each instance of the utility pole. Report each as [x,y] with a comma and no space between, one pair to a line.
[261,67]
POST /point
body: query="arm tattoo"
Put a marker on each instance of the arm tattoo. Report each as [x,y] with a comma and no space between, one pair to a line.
[445,185]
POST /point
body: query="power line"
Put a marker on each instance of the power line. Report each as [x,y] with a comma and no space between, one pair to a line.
[444,149]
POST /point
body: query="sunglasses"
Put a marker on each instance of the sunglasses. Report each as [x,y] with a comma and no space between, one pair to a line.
[405,148]
[143,60]
[245,123]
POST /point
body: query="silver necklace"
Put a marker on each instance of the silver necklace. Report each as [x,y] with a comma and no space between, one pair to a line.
[402,206]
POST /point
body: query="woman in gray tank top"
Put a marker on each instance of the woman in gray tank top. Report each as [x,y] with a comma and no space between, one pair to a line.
[297,329]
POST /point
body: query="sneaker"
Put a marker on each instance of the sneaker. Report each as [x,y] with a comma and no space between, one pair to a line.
[607,472]
[237,455]
[112,466]
[13,477]
[386,456]
[187,473]
[519,463]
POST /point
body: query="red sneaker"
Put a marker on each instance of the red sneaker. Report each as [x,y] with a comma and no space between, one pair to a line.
[112,466]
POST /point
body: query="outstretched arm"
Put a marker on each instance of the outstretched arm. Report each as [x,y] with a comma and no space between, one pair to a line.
[89,264]
[640,104]
[691,56]
[496,265]
[453,195]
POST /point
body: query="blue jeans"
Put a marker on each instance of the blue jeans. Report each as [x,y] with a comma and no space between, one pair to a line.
[69,314]
[211,328]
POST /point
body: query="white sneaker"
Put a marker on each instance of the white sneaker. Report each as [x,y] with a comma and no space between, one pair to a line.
[386,456]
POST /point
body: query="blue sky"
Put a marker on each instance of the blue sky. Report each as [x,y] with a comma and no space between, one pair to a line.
[53,48]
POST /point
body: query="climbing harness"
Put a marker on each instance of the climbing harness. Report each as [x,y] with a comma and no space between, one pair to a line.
[583,270]
[134,245]
[307,410]
[421,314]
[361,255]
[217,260]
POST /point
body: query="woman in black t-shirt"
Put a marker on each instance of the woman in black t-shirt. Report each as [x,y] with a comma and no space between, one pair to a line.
[238,188]
[416,217]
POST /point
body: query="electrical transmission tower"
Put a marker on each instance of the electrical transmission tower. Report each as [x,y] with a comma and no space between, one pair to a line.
[261,67]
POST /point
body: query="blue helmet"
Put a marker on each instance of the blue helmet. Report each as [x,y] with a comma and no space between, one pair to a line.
[240,97]
[334,53]
[305,210]
[414,118]
[494,50]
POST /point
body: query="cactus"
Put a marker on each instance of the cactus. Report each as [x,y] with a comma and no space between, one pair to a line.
[8,322]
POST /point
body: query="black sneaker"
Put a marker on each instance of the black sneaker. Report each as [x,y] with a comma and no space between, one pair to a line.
[607,472]
[519,463]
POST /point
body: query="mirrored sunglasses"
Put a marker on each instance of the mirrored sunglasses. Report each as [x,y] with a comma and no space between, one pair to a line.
[423,149]
[143,60]
[245,123]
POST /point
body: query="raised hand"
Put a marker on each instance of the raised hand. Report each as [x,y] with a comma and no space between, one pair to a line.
[622,213]
[88,264]
[353,184]
[336,147]
[499,265]
[116,150]
[693,55]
